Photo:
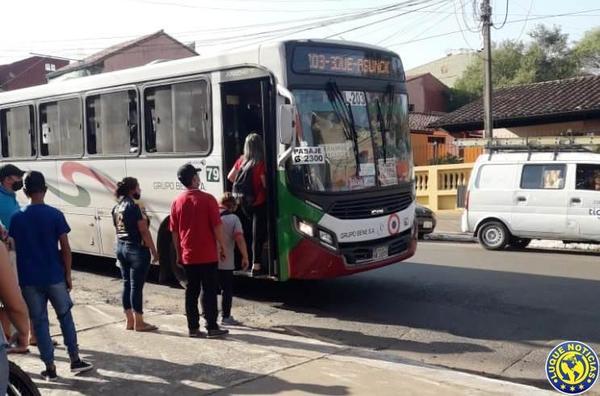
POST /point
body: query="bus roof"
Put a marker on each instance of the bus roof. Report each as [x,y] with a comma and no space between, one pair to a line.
[250,56]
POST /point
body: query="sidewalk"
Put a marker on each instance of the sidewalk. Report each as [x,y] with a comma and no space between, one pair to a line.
[249,361]
[448,229]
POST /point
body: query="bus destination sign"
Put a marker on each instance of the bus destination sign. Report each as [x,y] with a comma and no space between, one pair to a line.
[342,61]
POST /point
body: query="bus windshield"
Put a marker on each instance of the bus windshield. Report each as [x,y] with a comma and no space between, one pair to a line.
[363,135]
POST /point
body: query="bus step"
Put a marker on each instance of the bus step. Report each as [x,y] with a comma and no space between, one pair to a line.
[248,274]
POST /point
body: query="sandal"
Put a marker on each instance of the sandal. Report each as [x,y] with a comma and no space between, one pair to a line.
[147,327]
[17,350]
[256,270]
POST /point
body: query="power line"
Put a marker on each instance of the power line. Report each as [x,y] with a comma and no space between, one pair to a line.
[507,22]
[379,21]
[403,28]
[256,9]
[505,18]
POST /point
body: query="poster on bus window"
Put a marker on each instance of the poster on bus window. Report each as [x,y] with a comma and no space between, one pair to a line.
[388,172]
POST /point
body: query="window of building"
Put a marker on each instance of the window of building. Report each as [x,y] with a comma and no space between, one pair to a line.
[588,177]
[178,118]
[546,177]
[50,67]
[112,123]
[61,128]
[17,132]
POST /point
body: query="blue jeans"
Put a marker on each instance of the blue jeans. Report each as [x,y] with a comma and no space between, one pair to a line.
[135,263]
[37,298]
[3,366]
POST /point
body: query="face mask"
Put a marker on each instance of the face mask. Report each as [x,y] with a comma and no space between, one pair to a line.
[137,196]
[17,185]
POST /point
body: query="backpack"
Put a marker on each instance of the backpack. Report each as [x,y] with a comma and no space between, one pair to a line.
[243,188]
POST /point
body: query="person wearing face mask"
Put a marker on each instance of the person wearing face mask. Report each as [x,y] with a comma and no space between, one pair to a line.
[135,250]
[11,181]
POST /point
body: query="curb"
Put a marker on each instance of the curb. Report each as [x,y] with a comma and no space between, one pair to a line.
[451,237]
[535,244]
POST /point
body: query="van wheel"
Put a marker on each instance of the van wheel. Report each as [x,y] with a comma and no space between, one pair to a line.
[519,243]
[493,235]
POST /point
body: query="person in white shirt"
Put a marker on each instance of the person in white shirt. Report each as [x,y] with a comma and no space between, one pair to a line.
[234,235]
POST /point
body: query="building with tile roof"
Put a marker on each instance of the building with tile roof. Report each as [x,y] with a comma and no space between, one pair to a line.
[132,53]
[541,109]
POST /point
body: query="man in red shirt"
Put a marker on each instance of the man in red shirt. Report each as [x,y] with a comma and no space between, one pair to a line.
[197,232]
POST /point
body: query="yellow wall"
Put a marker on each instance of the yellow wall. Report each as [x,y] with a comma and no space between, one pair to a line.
[436,185]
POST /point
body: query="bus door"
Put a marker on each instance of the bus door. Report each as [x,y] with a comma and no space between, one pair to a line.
[248,107]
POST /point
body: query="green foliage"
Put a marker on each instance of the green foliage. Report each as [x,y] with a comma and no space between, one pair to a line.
[587,51]
[447,159]
[547,57]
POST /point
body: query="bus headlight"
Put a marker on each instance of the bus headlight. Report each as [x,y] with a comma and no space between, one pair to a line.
[326,237]
[312,231]
[305,228]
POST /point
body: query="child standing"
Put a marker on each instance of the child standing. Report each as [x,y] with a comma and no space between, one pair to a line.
[45,272]
[234,235]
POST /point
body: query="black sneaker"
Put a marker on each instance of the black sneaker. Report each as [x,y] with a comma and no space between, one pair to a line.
[196,334]
[49,374]
[216,333]
[81,367]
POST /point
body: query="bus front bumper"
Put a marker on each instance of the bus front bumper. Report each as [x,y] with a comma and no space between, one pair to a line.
[310,260]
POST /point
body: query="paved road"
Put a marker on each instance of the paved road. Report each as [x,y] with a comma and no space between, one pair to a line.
[454,305]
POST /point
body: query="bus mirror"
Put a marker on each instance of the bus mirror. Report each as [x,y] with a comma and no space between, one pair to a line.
[286,126]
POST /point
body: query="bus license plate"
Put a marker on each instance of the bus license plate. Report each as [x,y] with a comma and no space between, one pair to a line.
[380,253]
[427,224]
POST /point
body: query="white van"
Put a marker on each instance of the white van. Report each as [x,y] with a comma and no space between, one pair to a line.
[514,197]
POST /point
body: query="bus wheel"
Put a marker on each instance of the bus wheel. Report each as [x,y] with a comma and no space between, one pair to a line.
[176,268]
[170,271]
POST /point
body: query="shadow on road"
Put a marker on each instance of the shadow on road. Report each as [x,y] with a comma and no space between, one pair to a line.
[473,303]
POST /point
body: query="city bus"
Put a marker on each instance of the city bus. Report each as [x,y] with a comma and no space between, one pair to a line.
[333,116]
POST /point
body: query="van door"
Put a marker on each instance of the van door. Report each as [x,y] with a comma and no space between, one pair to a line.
[584,202]
[540,202]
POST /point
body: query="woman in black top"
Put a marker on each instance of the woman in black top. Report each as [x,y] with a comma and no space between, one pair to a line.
[134,247]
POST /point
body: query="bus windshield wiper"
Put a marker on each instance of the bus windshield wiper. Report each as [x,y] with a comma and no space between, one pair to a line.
[384,126]
[344,112]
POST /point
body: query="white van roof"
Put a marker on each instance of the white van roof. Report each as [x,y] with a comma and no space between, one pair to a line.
[539,156]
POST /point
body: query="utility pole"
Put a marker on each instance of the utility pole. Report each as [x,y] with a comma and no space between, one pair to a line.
[486,19]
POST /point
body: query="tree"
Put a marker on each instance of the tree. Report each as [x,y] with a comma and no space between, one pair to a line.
[587,52]
[547,57]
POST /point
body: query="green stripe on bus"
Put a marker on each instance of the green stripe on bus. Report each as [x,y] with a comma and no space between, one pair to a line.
[287,236]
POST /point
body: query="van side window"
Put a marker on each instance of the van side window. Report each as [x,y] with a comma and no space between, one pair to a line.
[544,177]
[177,118]
[112,123]
[61,128]
[17,132]
[588,177]
[496,177]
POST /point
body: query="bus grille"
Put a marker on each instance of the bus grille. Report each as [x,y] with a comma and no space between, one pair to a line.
[362,252]
[362,208]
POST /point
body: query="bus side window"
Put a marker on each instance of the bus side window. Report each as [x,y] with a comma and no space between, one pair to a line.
[17,132]
[61,128]
[177,118]
[112,121]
